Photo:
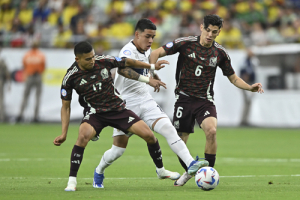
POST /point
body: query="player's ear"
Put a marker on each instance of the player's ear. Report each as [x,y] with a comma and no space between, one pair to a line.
[136,34]
[201,27]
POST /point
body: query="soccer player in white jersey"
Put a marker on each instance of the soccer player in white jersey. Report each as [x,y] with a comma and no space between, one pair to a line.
[139,100]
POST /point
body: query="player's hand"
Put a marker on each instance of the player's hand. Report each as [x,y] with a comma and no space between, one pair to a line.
[257,87]
[156,77]
[160,64]
[59,140]
[156,84]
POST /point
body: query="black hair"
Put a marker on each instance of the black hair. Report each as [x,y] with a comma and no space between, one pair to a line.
[82,47]
[213,20]
[143,24]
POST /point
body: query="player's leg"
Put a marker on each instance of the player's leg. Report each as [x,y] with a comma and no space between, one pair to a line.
[184,136]
[120,142]
[184,122]
[155,118]
[209,126]
[86,133]
[141,129]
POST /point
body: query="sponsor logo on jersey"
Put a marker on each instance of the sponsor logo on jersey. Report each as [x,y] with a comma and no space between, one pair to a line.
[127,52]
[130,119]
[104,73]
[83,82]
[169,45]
[118,59]
[213,61]
[206,113]
[63,92]
[192,55]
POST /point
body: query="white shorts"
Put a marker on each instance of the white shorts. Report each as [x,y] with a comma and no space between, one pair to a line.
[149,111]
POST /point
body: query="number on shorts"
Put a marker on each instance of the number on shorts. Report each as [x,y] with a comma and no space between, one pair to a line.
[198,70]
[179,112]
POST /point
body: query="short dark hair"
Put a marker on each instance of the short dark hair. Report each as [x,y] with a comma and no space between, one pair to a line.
[143,24]
[213,20]
[82,47]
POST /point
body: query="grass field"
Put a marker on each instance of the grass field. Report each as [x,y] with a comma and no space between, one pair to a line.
[253,164]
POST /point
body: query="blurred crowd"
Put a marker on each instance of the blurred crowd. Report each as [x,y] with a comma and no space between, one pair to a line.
[108,24]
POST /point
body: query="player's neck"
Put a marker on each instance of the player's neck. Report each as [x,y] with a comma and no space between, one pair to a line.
[138,47]
[202,43]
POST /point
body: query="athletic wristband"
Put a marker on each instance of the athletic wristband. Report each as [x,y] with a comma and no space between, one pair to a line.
[152,66]
[144,79]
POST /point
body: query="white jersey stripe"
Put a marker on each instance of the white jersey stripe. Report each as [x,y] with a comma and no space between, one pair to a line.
[221,47]
[67,76]
[190,38]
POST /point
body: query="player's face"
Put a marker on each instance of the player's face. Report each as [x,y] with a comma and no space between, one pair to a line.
[144,39]
[86,61]
[208,35]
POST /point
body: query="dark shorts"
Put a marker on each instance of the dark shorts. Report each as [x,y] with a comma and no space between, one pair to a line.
[121,120]
[188,109]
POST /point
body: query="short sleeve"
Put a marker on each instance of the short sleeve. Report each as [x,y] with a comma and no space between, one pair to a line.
[225,64]
[126,53]
[66,89]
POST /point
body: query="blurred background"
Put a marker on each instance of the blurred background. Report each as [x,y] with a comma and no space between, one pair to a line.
[262,38]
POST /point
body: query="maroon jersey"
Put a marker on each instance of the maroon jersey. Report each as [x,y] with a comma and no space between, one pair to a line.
[197,65]
[95,87]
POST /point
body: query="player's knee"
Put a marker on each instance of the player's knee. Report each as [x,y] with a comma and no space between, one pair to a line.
[149,137]
[211,133]
[83,138]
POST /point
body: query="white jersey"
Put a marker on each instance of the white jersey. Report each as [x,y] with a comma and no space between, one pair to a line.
[133,91]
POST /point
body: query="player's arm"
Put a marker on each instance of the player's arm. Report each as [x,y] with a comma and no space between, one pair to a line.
[138,64]
[65,120]
[158,53]
[131,74]
[240,83]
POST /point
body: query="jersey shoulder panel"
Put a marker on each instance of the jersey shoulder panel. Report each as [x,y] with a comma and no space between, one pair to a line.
[186,39]
[128,50]
[222,49]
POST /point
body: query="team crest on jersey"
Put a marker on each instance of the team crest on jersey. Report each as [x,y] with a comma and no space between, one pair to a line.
[104,73]
[213,61]
[63,92]
[169,45]
[176,124]
[127,52]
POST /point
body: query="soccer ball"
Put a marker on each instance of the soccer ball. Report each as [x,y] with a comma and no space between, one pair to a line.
[207,178]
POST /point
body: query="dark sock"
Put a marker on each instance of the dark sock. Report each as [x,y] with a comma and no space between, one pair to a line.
[183,164]
[211,158]
[155,153]
[76,158]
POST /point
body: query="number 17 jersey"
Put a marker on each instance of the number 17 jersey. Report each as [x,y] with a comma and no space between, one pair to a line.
[197,65]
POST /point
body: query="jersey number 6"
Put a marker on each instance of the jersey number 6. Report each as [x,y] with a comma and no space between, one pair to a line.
[198,70]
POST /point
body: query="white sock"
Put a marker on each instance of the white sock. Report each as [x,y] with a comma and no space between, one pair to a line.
[109,157]
[72,179]
[166,129]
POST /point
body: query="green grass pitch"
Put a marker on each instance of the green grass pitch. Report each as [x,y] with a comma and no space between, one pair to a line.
[253,163]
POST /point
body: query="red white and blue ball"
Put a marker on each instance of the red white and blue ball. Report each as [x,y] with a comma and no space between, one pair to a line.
[207,178]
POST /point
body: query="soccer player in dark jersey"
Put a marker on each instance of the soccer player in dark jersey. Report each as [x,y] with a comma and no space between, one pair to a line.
[90,77]
[199,57]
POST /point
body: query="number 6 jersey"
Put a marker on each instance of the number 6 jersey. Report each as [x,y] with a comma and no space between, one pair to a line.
[197,65]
